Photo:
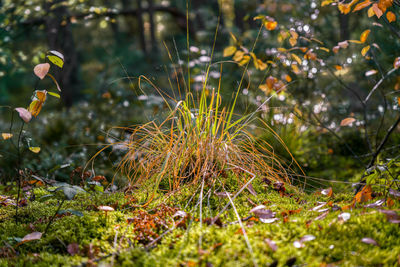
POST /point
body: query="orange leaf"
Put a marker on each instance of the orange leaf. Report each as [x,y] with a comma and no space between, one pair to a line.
[364,195]
[36,106]
[270,25]
[347,121]
[389,202]
[364,35]
[362,5]
[6,135]
[365,50]
[390,16]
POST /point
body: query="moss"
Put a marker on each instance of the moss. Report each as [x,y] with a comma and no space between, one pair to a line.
[335,241]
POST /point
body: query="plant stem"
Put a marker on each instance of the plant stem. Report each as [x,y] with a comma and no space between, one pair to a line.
[52,218]
[18,171]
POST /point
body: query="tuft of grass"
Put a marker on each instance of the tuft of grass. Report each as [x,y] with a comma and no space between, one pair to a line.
[197,142]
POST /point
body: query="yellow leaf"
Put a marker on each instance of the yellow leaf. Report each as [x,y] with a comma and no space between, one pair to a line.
[238,56]
[292,41]
[297,58]
[295,68]
[364,36]
[6,135]
[398,101]
[354,41]
[371,12]
[34,149]
[233,37]
[390,16]
[229,51]
[344,8]
[288,78]
[324,49]
[326,2]
[347,121]
[54,94]
[36,105]
[365,50]
[56,61]
[261,65]
[245,60]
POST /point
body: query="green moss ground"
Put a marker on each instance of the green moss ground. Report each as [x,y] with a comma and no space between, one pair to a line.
[336,242]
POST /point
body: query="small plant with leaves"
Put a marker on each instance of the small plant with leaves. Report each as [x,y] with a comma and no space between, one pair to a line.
[32,111]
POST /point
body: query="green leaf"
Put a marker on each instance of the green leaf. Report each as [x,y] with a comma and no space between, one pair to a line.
[54,94]
[56,61]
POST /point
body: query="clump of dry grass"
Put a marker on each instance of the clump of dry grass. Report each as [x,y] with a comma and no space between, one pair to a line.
[198,141]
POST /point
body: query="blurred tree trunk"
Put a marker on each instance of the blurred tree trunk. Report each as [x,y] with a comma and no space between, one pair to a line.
[344,26]
[152,27]
[60,38]
[196,7]
[142,37]
[240,13]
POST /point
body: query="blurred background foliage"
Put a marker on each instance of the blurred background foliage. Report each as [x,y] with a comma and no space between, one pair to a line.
[108,44]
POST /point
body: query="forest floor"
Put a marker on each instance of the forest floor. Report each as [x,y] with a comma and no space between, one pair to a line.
[278,227]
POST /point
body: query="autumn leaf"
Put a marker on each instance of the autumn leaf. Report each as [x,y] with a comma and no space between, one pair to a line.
[270,25]
[364,195]
[369,241]
[327,192]
[365,50]
[347,121]
[6,135]
[370,73]
[34,149]
[56,58]
[24,114]
[362,5]
[390,16]
[238,56]
[364,35]
[229,51]
[41,70]
[378,12]
[396,63]
[36,105]
[30,237]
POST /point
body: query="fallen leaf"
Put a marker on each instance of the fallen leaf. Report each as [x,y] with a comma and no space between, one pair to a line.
[41,70]
[364,195]
[370,241]
[376,204]
[30,237]
[327,192]
[322,216]
[73,249]
[345,216]
[272,245]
